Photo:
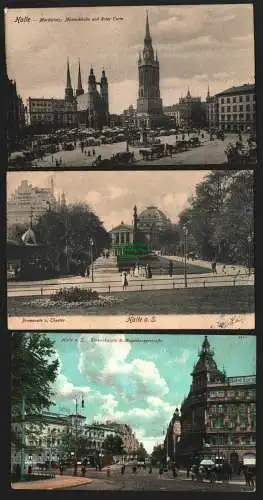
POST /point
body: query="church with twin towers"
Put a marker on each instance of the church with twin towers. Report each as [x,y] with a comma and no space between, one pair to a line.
[93,105]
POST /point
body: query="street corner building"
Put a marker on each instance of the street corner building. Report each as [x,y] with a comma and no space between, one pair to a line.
[218,417]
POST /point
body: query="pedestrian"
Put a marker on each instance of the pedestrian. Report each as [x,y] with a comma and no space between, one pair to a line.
[83,470]
[85,152]
[174,470]
[93,152]
[150,469]
[170,269]
[108,471]
[61,468]
[52,159]
[213,265]
[160,471]
[125,281]
[29,470]
[88,152]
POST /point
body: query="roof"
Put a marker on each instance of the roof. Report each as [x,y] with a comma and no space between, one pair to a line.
[241,89]
[123,227]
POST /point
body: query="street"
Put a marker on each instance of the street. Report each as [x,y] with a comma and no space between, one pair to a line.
[210,152]
[107,279]
[142,480]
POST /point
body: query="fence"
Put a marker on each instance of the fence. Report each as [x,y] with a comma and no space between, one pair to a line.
[167,283]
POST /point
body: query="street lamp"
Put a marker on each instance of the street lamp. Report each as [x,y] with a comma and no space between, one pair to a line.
[22,449]
[91,241]
[76,430]
[249,240]
[185,230]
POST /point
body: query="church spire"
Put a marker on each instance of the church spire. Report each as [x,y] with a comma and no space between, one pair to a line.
[79,90]
[148,54]
[147,30]
[68,89]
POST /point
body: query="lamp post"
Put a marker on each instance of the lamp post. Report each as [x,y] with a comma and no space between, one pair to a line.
[91,258]
[22,449]
[185,230]
[76,430]
[66,240]
[249,240]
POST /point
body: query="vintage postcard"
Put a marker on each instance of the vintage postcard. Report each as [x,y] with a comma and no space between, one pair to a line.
[109,86]
[138,249]
[133,412]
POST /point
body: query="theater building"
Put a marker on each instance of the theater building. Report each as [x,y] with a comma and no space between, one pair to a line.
[218,417]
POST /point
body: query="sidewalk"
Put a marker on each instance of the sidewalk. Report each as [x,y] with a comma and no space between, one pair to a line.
[228,268]
[58,483]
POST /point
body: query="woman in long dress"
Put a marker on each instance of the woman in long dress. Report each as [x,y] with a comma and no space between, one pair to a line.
[125,281]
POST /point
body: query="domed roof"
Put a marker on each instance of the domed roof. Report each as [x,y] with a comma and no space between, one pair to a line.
[154,214]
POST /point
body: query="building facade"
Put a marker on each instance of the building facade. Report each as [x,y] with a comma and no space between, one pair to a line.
[237,109]
[173,112]
[173,436]
[46,438]
[28,203]
[211,106]
[218,417]
[192,111]
[15,116]
[121,236]
[149,102]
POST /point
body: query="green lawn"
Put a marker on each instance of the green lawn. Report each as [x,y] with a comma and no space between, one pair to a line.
[214,300]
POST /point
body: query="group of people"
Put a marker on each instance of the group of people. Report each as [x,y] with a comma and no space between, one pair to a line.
[137,272]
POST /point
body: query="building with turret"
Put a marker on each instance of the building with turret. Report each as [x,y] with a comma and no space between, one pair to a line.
[218,417]
[149,102]
[192,111]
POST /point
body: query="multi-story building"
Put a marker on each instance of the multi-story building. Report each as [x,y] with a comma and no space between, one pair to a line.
[218,417]
[45,437]
[173,112]
[15,118]
[237,109]
[211,106]
[149,102]
[192,111]
[130,442]
[28,203]
[54,112]
[129,117]
[173,436]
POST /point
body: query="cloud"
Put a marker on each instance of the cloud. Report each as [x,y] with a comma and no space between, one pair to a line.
[93,197]
[107,363]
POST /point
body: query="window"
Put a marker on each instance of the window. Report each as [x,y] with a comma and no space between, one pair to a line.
[228,109]
[241,117]
[240,98]
[228,99]
[223,118]
[234,99]
[241,108]
[222,100]
[247,98]
[248,107]
[248,117]
[223,109]
[234,109]
[228,118]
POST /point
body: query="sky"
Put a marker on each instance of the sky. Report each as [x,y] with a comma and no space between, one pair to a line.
[113,194]
[138,378]
[197,45]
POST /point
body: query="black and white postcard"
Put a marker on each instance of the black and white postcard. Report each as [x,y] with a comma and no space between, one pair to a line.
[110,86]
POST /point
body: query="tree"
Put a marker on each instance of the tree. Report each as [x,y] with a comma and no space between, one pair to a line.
[114,445]
[33,371]
[141,452]
[220,216]
[157,453]
[70,441]
[69,231]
